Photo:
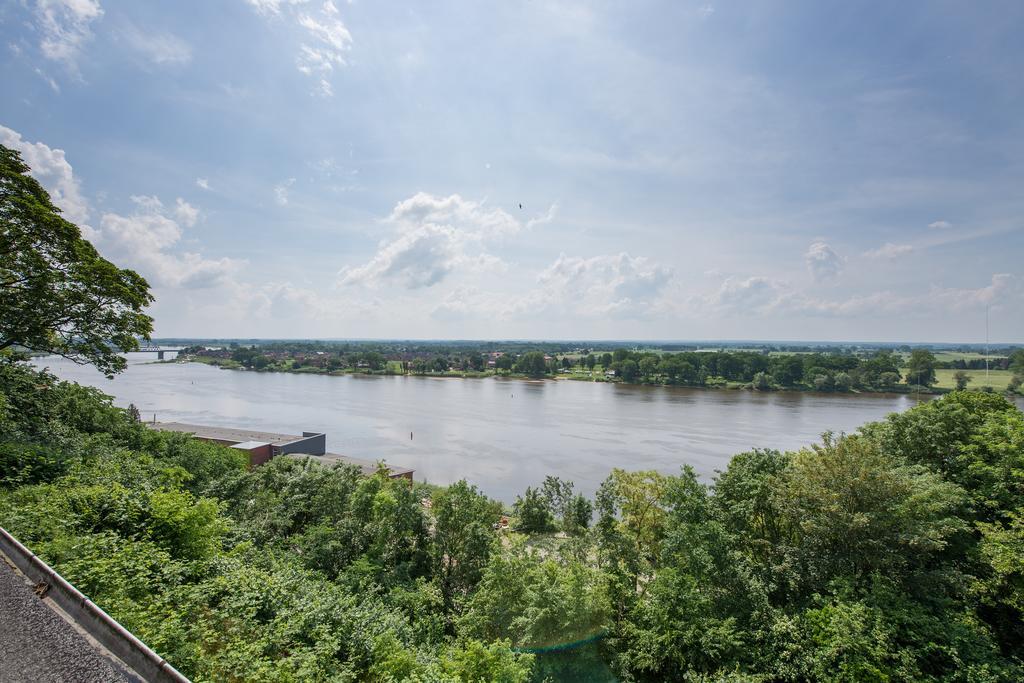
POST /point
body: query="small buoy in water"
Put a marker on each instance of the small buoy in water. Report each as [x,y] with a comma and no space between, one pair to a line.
[410,436]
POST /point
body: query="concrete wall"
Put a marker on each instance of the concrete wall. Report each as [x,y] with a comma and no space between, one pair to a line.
[312,443]
[260,455]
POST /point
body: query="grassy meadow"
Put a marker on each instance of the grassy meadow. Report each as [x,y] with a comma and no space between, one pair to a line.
[997,379]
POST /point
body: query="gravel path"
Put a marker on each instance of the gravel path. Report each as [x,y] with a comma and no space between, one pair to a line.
[38,645]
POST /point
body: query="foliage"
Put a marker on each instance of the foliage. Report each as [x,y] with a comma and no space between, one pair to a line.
[532,364]
[891,554]
[57,294]
[463,540]
[534,512]
[921,368]
[536,603]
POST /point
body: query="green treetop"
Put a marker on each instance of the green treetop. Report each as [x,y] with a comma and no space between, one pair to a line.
[57,294]
[921,368]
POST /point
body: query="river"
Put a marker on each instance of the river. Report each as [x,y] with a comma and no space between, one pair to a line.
[500,434]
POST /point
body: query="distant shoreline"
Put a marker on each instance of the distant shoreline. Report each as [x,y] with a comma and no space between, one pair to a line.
[900,390]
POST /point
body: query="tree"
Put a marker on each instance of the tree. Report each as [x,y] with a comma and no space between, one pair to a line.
[627,370]
[463,539]
[374,360]
[961,378]
[532,364]
[787,370]
[921,368]
[536,602]
[843,381]
[1017,362]
[57,294]
[823,381]
[632,514]
[475,662]
[557,494]
[533,512]
[850,509]
[648,366]
[578,514]
[888,380]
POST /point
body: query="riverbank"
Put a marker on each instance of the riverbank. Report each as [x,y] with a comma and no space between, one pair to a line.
[500,434]
[943,386]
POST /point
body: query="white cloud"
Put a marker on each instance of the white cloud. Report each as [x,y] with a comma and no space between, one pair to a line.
[327,29]
[435,236]
[612,285]
[609,283]
[146,240]
[548,216]
[185,212]
[314,60]
[755,294]
[463,303]
[940,225]
[326,41]
[159,47]
[324,88]
[822,261]
[1005,291]
[764,296]
[281,192]
[51,168]
[203,183]
[49,81]
[418,258]
[889,251]
[65,26]
[473,217]
[273,7]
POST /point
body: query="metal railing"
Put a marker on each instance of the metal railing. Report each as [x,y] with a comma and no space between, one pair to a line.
[146,664]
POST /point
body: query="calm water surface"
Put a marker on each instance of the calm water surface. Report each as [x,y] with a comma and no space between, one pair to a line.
[502,435]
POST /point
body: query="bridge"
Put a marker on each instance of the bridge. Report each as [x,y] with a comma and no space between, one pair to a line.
[159,351]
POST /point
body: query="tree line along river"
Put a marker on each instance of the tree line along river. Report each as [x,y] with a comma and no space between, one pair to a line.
[500,434]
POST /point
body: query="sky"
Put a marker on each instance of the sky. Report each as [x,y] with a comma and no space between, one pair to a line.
[537,168]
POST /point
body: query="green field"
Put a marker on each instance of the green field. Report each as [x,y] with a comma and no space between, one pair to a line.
[997,379]
[947,356]
[950,356]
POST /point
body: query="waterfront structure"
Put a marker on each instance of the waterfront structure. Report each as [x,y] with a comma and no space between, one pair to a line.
[262,446]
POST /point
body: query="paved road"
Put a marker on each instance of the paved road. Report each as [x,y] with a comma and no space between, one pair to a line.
[38,645]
